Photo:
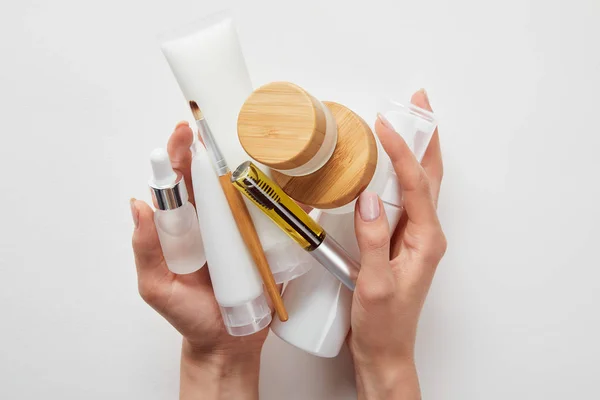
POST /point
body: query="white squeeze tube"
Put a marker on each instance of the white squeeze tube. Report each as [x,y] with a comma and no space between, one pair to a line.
[235,280]
[207,61]
[318,304]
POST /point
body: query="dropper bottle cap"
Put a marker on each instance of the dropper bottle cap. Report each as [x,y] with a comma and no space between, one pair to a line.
[167,186]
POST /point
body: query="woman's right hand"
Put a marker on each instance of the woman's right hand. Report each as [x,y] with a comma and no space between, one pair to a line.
[213,363]
[396,270]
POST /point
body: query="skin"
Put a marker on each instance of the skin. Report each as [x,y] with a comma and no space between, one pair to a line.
[396,273]
[212,362]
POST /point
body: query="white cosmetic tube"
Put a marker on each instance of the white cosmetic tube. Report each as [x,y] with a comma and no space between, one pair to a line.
[318,304]
[235,280]
[209,66]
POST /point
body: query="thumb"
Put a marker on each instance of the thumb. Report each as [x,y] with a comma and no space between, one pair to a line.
[375,281]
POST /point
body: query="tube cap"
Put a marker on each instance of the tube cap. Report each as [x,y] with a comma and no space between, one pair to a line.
[168,187]
[247,318]
[416,126]
[284,255]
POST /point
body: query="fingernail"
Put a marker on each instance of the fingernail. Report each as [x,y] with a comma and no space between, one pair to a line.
[134,213]
[368,206]
[385,122]
[422,90]
[182,123]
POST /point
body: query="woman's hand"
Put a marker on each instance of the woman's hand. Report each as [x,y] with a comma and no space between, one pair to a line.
[395,277]
[213,362]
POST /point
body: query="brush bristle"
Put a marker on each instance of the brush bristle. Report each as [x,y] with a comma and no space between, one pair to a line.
[264,198]
[256,194]
[196,110]
[269,190]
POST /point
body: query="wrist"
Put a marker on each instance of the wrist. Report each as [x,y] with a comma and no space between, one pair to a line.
[389,379]
[218,374]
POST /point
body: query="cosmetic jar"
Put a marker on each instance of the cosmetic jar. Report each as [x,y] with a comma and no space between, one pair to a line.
[283,127]
[308,125]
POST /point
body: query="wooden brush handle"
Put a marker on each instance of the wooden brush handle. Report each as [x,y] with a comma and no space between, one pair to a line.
[248,232]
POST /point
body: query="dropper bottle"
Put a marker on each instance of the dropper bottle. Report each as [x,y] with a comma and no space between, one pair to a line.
[175,217]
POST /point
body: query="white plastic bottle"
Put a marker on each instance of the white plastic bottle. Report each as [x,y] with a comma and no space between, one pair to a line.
[318,304]
[175,218]
[235,280]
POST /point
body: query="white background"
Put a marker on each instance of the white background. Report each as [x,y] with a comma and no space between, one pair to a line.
[85,94]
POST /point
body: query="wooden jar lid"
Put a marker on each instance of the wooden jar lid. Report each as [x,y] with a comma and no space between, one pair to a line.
[348,171]
[282,126]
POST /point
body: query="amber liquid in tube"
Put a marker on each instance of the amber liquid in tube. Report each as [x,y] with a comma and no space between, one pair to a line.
[280,208]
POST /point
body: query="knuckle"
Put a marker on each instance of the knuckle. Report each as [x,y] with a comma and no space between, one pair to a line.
[137,242]
[148,292]
[373,293]
[424,183]
[375,241]
[437,245]
[417,180]
[443,244]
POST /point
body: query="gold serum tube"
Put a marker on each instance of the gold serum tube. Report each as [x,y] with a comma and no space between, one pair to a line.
[294,221]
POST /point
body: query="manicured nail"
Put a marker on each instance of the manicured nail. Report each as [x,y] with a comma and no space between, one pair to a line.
[134,213]
[181,124]
[368,206]
[385,122]
[422,90]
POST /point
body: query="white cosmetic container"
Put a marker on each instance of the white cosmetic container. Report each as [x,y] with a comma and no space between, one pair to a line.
[318,304]
[209,66]
[235,280]
[175,218]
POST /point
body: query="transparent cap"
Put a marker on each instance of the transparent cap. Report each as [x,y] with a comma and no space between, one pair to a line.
[248,318]
[288,261]
[416,126]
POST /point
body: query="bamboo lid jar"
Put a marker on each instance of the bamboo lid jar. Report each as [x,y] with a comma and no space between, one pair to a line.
[322,154]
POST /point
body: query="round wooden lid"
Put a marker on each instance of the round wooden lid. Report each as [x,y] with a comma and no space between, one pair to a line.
[348,171]
[281,125]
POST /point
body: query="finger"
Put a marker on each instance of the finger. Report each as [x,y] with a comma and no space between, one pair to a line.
[375,281]
[432,160]
[416,192]
[397,236]
[149,260]
[181,154]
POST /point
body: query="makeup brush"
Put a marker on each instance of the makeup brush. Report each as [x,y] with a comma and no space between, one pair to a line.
[239,211]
